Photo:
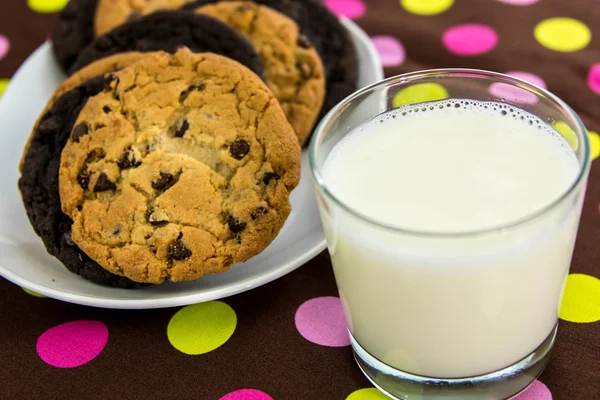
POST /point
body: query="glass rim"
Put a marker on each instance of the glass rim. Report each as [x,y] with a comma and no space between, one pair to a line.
[460,73]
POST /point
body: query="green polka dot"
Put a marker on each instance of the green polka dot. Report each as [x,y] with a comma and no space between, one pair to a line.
[201,328]
[581,301]
[594,144]
[3,85]
[568,133]
[367,394]
[420,93]
[562,34]
[34,294]
[426,7]
[47,6]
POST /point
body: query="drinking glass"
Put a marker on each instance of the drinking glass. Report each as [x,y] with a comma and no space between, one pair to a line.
[466,315]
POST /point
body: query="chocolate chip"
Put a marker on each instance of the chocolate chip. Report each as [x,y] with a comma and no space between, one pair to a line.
[106,109]
[164,182]
[49,125]
[83,179]
[239,149]
[269,176]
[198,88]
[103,183]
[144,45]
[258,211]
[182,129]
[116,230]
[79,131]
[305,69]
[108,82]
[103,43]
[154,220]
[178,251]
[127,160]
[304,42]
[235,225]
[68,239]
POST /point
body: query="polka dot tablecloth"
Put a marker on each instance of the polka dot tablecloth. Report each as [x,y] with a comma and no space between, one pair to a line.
[288,340]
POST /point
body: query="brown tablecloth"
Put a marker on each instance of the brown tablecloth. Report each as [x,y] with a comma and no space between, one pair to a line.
[261,340]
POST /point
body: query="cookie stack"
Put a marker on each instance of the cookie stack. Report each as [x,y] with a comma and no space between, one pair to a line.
[301,50]
[171,150]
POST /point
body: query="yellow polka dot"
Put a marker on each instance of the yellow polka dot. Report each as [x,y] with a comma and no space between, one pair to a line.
[562,34]
[367,394]
[594,144]
[47,6]
[581,301]
[200,328]
[426,7]
[419,93]
[3,85]
[568,133]
[34,294]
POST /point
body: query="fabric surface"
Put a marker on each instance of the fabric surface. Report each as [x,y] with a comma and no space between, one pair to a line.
[287,340]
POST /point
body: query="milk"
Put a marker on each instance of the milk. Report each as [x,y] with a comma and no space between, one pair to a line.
[445,303]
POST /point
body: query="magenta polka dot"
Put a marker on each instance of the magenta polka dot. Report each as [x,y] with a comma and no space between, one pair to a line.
[537,391]
[518,2]
[247,394]
[321,321]
[4,46]
[352,9]
[391,52]
[470,39]
[516,94]
[72,344]
[594,78]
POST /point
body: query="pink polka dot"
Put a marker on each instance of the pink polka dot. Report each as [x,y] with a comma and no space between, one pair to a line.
[470,39]
[352,9]
[537,391]
[391,52]
[246,394]
[529,77]
[516,94]
[518,2]
[321,321]
[72,344]
[593,79]
[4,46]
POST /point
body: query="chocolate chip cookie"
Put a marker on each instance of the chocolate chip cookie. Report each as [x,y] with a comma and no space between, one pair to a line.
[39,185]
[73,31]
[169,31]
[330,37]
[112,13]
[182,168]
[293,69]
[97,68]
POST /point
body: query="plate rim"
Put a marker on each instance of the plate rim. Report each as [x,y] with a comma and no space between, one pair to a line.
[192,298]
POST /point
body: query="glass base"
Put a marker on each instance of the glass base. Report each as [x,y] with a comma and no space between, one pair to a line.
[503,384]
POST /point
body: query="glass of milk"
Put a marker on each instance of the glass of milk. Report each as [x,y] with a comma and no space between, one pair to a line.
[451,215]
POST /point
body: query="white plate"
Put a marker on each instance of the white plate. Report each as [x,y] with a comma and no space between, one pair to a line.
[24,260]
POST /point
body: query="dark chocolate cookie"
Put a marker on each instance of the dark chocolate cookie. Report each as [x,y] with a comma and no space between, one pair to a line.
[327,34]
[169,31]
[39,185]
[73,31]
